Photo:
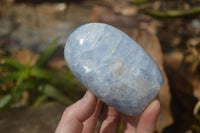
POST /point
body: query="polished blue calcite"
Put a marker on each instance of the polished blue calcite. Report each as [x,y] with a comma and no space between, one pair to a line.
[113,67]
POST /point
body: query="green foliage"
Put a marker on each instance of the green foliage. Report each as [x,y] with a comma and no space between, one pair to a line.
[121,126]
[192,9]
[41,82]
[173,13]
[45,56]
[140,2]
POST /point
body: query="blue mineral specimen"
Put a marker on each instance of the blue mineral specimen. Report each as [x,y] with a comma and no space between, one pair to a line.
[113,67]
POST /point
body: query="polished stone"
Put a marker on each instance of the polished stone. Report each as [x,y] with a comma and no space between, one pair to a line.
[113,67]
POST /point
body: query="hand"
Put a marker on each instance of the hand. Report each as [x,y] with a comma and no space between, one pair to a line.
[82,117]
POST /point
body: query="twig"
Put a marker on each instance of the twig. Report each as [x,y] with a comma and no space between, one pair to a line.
[139,2]
[173,14]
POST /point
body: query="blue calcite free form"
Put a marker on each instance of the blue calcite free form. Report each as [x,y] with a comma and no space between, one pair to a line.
[113,67]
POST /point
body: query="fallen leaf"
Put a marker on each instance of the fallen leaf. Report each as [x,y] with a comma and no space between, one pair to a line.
[25,56]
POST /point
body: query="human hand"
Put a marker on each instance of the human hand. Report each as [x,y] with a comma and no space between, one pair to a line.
[82,117]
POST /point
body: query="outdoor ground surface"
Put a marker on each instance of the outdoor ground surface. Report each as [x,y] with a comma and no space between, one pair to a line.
[26,28]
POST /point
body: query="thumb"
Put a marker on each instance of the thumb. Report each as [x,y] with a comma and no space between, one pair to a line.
[74,115]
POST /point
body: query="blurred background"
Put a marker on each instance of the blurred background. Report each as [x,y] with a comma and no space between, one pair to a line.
[36,85]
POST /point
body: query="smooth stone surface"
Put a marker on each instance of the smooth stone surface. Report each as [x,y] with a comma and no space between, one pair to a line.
[113,67]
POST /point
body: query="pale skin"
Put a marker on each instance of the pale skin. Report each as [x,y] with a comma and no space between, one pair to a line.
[82,117]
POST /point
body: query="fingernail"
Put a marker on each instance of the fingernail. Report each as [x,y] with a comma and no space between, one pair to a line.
[85,97]
[155,104]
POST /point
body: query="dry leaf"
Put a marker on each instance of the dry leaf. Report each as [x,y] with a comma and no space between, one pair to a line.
[25,56]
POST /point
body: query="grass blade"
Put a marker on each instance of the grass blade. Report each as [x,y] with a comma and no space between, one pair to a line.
[53,78]
[13,63]
[11,76]
[55,94]
[5,101]
[40,100]
[47,54]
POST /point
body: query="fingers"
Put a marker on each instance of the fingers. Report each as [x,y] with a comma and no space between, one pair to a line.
[149,118]
[83,115]
[130,123]
[90,123]
[74,115]
[111,121]
[143,123]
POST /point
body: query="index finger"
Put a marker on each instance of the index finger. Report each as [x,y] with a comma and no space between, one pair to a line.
[74,115]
